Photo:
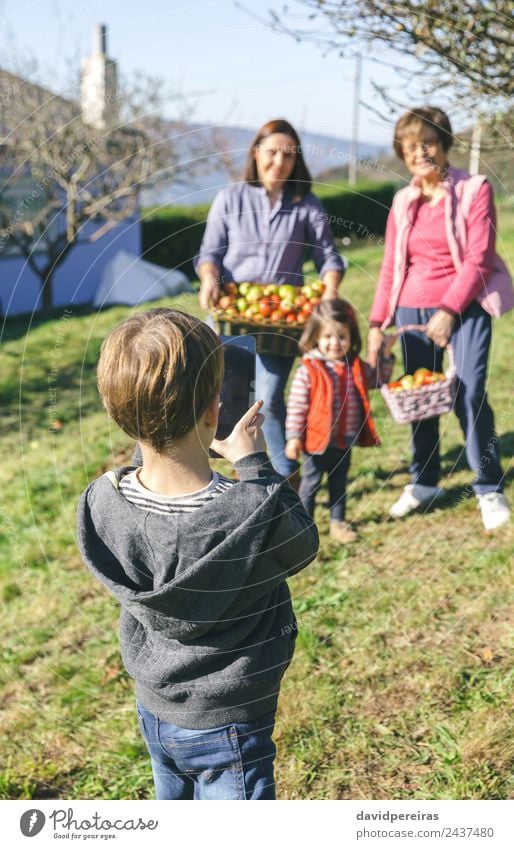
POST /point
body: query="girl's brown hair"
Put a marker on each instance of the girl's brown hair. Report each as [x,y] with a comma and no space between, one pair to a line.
[300,180]
[157,372]
[414,120]
[326,312]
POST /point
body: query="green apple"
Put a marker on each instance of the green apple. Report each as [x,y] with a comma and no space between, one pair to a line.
[308,291]
[407,381]
[287,292]
[254,294]
[244,288]
[241,304]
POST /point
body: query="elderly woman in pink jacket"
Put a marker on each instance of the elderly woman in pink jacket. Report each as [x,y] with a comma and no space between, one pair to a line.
[439,257]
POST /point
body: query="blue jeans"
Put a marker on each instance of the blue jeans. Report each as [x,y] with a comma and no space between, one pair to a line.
[230,762]
[271,374]
[335,462]
[471,340]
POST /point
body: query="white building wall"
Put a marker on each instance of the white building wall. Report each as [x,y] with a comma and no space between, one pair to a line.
[76,280]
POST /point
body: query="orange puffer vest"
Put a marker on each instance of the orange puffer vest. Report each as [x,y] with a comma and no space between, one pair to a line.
[319,417]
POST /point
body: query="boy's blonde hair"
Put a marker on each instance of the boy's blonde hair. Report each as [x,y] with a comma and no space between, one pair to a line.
[157,372]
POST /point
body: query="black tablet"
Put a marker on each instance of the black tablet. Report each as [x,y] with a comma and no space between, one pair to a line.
[238,387]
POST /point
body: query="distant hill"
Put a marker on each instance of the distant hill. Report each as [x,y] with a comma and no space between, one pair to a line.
[221,154]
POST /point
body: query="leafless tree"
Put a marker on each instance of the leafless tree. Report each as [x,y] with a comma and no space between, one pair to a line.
[466,45]
[68,173]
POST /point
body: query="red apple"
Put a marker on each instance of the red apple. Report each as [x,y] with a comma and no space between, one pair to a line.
[225,302]
[265,307]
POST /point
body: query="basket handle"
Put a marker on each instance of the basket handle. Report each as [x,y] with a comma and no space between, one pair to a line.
[451,370]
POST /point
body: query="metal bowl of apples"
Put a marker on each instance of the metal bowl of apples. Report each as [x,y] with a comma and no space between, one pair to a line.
[421,395]
[274,314]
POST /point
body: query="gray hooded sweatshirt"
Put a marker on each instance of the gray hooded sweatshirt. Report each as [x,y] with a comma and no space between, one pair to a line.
[207,626]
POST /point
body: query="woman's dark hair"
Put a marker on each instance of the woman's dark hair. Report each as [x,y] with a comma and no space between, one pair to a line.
[326,312]
[414,120]
[300,180]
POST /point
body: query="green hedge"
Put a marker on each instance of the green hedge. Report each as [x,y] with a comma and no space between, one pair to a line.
[360,211]
[172,234]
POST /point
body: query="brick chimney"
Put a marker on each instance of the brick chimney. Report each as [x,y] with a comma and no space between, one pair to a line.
[99,83]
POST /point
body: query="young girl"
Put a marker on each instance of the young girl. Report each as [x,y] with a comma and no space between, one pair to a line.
[328,408]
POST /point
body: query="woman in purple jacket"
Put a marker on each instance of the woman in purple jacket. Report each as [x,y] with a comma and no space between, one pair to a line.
[260,230]
[439,255]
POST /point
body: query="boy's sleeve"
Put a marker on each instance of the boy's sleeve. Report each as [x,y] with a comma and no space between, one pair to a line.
[293,536]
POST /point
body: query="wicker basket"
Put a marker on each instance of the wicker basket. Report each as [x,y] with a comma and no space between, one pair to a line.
[423,402]
[278,339]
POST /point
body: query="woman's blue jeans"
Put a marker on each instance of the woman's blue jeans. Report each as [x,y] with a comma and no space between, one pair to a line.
[271,374]
[471,340]
[230,762]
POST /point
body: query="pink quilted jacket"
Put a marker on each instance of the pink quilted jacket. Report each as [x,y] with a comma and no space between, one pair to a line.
[472,271]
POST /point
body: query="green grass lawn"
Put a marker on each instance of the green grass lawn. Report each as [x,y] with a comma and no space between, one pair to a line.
[402,682]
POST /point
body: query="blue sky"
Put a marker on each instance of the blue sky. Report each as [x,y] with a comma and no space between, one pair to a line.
[232,68]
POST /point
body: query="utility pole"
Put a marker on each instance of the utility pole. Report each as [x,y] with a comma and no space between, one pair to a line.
[354,150]
[474,153]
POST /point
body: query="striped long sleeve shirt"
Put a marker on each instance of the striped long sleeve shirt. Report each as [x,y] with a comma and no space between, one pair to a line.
[299,400]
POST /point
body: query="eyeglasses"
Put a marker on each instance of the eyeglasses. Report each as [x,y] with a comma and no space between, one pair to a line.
[428,144]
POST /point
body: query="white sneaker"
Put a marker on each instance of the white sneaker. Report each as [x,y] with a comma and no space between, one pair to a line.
[495,510]
[414,496]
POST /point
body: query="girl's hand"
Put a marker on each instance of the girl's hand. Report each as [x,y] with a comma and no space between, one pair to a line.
[375,345]
[440,328]
[293,449]
[246,438]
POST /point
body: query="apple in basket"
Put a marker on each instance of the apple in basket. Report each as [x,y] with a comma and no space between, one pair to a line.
[419,376]
[433,377]
[254,294]
[265,307]
[226,301]
[287,292]
[407,381]
[318,287]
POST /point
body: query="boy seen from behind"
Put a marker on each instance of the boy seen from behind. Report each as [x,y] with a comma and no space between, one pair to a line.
[198,562]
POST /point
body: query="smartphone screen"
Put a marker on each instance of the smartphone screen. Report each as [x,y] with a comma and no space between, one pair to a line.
[238,387]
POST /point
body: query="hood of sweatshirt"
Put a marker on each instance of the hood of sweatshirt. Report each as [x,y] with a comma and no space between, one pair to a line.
[207,627]
[187,574]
